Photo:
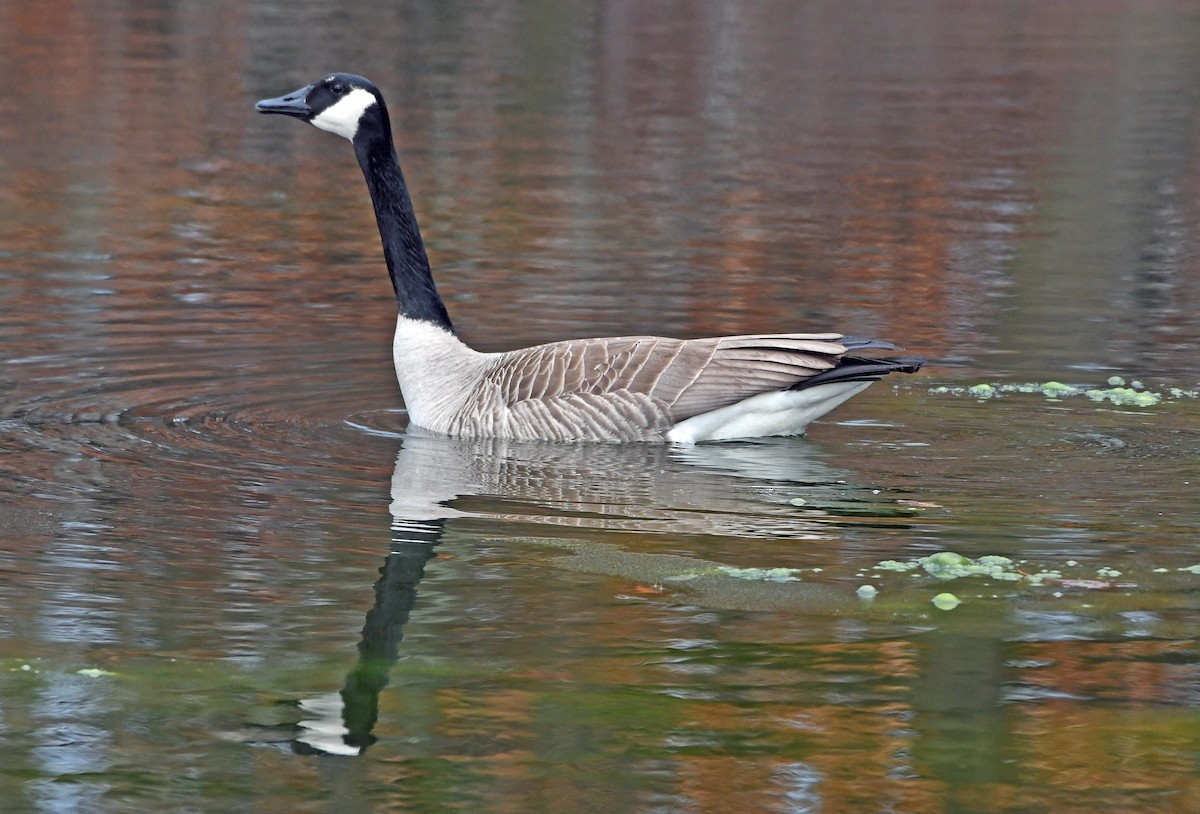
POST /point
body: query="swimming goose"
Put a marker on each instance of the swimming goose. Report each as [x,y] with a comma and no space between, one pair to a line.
[629,388]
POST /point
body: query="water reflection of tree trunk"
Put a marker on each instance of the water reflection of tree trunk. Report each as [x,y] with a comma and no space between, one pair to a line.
[963,732]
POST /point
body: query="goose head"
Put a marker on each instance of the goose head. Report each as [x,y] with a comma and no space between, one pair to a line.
[342,103]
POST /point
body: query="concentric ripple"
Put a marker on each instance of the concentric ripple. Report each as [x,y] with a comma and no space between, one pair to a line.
[157,418]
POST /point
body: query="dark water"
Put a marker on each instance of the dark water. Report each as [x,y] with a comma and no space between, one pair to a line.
[280,601]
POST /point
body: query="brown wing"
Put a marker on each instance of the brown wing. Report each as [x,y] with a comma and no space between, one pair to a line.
[646,377]
[738,367]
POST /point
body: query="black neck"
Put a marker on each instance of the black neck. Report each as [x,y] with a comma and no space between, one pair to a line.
[403,249]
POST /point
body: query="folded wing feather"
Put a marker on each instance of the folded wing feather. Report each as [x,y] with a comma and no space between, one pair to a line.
[609,387]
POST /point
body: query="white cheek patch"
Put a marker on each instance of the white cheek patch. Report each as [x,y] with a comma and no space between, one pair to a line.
[342,118]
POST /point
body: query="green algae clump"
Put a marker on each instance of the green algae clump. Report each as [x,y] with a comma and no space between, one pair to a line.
[1133,395]
[896,565]
[946,601]
[1126,397]
[93,672]
[1056,390]
[765,574]
[952,565]
[949,565]
[946,565]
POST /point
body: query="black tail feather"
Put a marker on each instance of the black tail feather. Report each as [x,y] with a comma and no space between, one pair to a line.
[862,369]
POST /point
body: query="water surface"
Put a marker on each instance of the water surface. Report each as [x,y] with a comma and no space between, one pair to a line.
[280,598]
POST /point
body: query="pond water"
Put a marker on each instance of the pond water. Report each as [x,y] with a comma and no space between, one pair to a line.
[230,579]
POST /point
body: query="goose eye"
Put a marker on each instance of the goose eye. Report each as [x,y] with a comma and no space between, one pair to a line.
[338,88]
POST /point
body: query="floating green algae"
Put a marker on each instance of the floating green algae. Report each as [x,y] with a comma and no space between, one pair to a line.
[1133,395]
[950,565]
[946,565]
[946,601]
[896,565]
[1126,396]
[93,672]
[1057,390]
[913,581]
[766,574]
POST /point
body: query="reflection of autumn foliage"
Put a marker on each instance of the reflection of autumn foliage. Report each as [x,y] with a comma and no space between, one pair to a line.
[691,174]
[175,268]
[833,725]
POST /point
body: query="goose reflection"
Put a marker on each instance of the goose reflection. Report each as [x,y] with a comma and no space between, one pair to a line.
[704,489]
[529,487]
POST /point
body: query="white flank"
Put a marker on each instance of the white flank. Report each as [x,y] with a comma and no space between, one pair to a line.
[783,412]
[342,117]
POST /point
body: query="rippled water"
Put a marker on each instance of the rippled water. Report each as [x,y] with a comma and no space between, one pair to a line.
[230,580]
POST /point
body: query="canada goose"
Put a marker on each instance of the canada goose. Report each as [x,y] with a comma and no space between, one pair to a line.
[629,388]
